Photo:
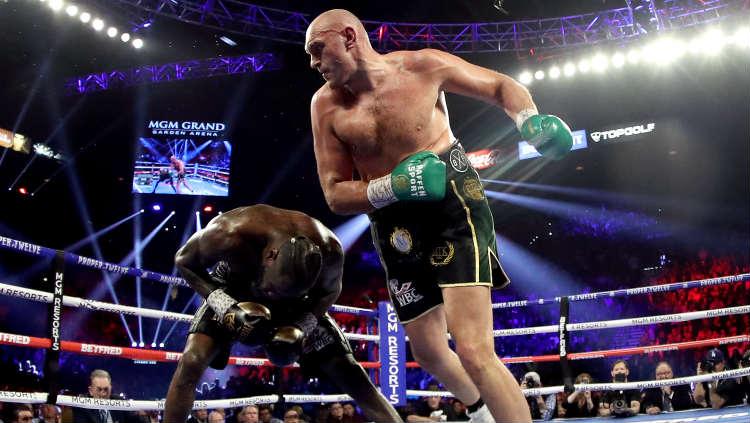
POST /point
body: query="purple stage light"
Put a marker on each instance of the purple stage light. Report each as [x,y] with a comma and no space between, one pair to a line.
[156,207]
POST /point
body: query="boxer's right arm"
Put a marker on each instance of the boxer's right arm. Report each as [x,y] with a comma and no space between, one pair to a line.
[335,166]
[203,249]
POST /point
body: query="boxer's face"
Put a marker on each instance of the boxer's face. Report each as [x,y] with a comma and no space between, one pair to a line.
[330,53]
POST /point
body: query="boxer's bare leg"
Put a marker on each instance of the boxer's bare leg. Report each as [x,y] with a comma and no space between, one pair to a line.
[199,350]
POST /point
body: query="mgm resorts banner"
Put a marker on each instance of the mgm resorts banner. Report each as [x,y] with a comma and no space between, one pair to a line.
[392,355]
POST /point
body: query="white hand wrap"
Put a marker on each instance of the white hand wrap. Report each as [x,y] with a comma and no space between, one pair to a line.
[380,192]
[220,302]
[523,115]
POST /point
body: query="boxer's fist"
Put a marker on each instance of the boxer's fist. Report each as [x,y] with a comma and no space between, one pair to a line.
[242,318]
[285,347]
[420,177]
[548,134]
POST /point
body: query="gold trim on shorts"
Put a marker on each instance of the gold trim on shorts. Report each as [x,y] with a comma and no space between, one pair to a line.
[446,285]
[473,231]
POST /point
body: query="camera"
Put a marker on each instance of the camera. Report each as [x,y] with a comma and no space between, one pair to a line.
[619,377]
[619,405]
[530,382]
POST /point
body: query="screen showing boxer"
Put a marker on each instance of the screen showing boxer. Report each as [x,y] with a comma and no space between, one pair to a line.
[182,157]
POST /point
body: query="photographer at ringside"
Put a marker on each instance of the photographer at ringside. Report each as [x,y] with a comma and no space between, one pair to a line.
[539,407]
[716,393]
[620,403]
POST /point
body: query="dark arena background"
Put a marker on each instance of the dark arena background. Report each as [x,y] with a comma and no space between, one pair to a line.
[656,189]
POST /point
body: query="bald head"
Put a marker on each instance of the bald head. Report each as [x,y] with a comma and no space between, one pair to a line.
[337,20]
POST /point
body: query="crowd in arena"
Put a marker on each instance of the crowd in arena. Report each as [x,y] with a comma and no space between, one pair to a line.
[24,375]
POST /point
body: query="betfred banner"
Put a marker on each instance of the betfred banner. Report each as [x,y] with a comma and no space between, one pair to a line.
[392,355]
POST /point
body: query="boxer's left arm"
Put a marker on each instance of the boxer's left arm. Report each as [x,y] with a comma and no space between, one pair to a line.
[458,76]
[547,133]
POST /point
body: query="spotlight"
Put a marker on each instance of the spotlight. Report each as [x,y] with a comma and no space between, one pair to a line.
[125,37]
[97,24]
[584,66]
[742,37]
[569,69]
[85,17]
[526,78]
[156,207]
[161,345]
[137,43]
[112,32]
[142,210]
[208,208]
[55,5]
[634,56]
[618,59]
[71,10]
[23,190]
[153,345]
[599,63]
[554,72]
[134,344]
[711,42]
[539,74]
[141,344]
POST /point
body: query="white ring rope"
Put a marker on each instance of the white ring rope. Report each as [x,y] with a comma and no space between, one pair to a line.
[132,405]
[46,297]
[35,295]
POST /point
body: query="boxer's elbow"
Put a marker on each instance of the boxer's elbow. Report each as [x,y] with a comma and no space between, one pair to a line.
[340,204]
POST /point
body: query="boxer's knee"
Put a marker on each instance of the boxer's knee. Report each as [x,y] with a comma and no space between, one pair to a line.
[476,357]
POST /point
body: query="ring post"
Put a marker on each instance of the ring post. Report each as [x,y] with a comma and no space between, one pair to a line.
[392,355]
[564,344]
[55,283]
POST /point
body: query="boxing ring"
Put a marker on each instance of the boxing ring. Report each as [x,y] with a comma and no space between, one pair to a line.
[203,179]
[391,362]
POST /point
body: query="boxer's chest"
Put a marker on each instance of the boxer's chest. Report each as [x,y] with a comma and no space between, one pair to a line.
[398,117]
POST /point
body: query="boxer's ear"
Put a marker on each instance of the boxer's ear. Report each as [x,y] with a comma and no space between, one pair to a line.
[350,37]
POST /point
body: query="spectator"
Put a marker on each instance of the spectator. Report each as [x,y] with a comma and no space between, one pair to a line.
[335,413]
[301,413]
[22,413]
[431,409]
[248,414]
[100,387]
[198,416]
[291,416]
[582,403]
[216,417]
[266,414]
[459,410]
[667,398]
[745,380]
[51,414]
[351,415]
[621,403]
[721,393]
[539,407]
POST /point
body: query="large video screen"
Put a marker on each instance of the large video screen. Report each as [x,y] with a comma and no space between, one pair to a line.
[183,157]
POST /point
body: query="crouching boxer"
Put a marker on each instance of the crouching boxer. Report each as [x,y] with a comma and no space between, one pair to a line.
[275,274]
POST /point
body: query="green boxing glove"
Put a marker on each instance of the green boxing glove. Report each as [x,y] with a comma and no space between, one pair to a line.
[548,134]
[420,177]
